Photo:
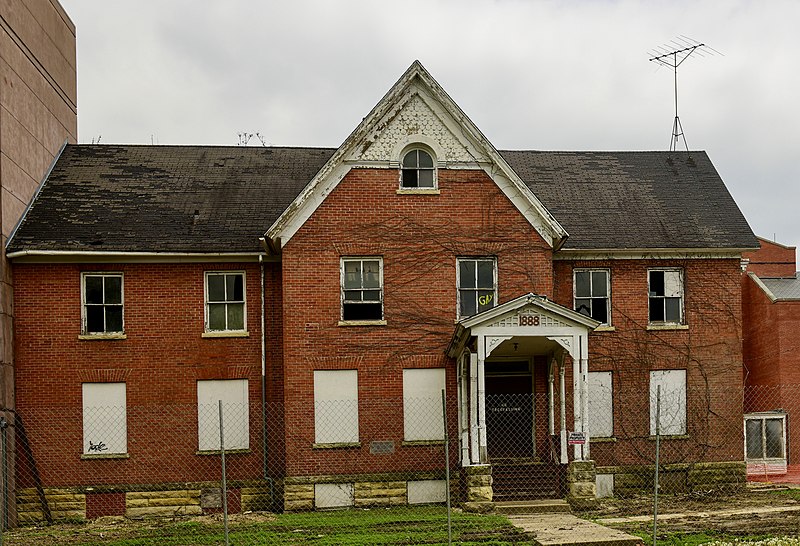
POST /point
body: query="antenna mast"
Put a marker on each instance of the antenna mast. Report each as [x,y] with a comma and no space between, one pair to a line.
[672,56]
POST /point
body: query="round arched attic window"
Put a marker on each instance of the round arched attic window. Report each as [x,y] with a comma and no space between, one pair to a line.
[417,170]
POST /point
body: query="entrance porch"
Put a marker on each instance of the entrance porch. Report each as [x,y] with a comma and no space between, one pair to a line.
[515,411]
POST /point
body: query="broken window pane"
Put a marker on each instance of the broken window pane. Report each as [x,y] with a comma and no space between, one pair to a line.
[410,178]
[656,309]
[656,283]
[584,306]
[599,309]
[94,319]
[361,311]
[234,287]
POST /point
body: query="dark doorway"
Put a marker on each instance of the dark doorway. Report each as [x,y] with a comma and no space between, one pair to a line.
[509,409]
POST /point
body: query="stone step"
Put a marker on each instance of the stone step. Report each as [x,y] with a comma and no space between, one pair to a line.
[539,506]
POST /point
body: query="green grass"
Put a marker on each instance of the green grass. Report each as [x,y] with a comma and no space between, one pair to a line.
[396,526]
[695,539]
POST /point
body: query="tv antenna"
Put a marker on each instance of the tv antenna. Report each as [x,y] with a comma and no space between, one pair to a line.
[672,56]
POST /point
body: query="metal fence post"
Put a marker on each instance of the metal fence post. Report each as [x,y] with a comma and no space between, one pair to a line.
[224,481]
[3,457]
[658,449]
[447,469]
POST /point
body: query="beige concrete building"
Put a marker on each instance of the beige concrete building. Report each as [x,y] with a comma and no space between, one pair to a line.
[38,113]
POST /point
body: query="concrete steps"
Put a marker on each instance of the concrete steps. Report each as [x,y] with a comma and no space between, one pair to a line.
[539,506]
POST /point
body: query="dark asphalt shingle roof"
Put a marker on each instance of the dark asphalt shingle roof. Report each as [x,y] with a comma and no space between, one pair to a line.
[635,199]
[143,198]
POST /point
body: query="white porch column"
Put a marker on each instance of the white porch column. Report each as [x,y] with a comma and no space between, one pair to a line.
[584,352]
[473,409]
[562,397]
[482,449]
[577,392]
[463,407]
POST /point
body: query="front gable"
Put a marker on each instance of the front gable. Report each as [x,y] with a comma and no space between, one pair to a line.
[415,111]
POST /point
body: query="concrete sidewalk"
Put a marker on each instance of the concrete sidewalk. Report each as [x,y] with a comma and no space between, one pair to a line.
[561,529]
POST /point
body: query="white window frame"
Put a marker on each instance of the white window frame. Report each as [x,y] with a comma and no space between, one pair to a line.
[105,419]
[362,259]
[433,169]
[336,407]
[664,298]
[235,397]
[673,402]
[764,417]
[575,298]
[207,327]
[475,259]
[423,419]
[84,305]
[601,404]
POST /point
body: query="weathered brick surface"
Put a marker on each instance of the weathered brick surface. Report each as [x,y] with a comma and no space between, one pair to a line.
[772,260]
[161,361]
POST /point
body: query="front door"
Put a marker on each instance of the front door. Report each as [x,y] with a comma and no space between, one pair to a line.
[509,409]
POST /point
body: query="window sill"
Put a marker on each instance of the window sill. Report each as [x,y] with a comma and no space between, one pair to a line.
[102,337]
[412,443]
[605,328]
[89,456]
[418,191]
[227,333]
[603,440]
[362,323]
[671,437]
[341,445]
[219,452]
[667,327]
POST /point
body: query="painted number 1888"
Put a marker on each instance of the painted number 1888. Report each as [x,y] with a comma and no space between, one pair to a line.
[529,320]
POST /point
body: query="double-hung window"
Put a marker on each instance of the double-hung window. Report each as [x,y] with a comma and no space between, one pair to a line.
[477,285]
[665,291]
[592,294]
[362,289]
[225,301]
[102,303]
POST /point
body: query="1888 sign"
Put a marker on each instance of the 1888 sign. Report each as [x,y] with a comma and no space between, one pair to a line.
[529,320]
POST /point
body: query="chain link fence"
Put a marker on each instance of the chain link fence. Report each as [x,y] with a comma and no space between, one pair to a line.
[373,466]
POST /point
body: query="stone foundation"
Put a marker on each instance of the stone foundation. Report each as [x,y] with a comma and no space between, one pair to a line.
[301,493]
[632,480]
[581,478]
[194,499]
[478,492]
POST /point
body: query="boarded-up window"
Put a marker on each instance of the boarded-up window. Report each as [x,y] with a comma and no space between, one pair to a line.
[105,429]
[235,414]
[673,401]
[601,405]
[665,291]
[422,404]
[335,406]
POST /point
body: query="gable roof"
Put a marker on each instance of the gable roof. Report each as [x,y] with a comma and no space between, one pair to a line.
[635,200]
[113,198]
[475,151]
[780,288]
[106,198]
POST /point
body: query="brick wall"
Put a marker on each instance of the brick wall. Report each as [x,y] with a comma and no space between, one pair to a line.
[710,350]
[772,260]
[161,360]
[419,238]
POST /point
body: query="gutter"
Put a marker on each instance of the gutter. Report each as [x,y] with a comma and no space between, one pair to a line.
[264,436]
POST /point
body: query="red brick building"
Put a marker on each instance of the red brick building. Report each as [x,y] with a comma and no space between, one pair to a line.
[328,296]
[771,322]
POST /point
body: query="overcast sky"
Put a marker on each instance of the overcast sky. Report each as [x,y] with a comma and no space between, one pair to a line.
[532,75]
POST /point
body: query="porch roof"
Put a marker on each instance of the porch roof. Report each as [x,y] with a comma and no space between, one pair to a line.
[464,327]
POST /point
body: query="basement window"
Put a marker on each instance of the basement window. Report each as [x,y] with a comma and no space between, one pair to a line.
[362,289]
[418,170]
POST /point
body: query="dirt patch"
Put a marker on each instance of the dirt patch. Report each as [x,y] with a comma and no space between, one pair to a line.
[769,512]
